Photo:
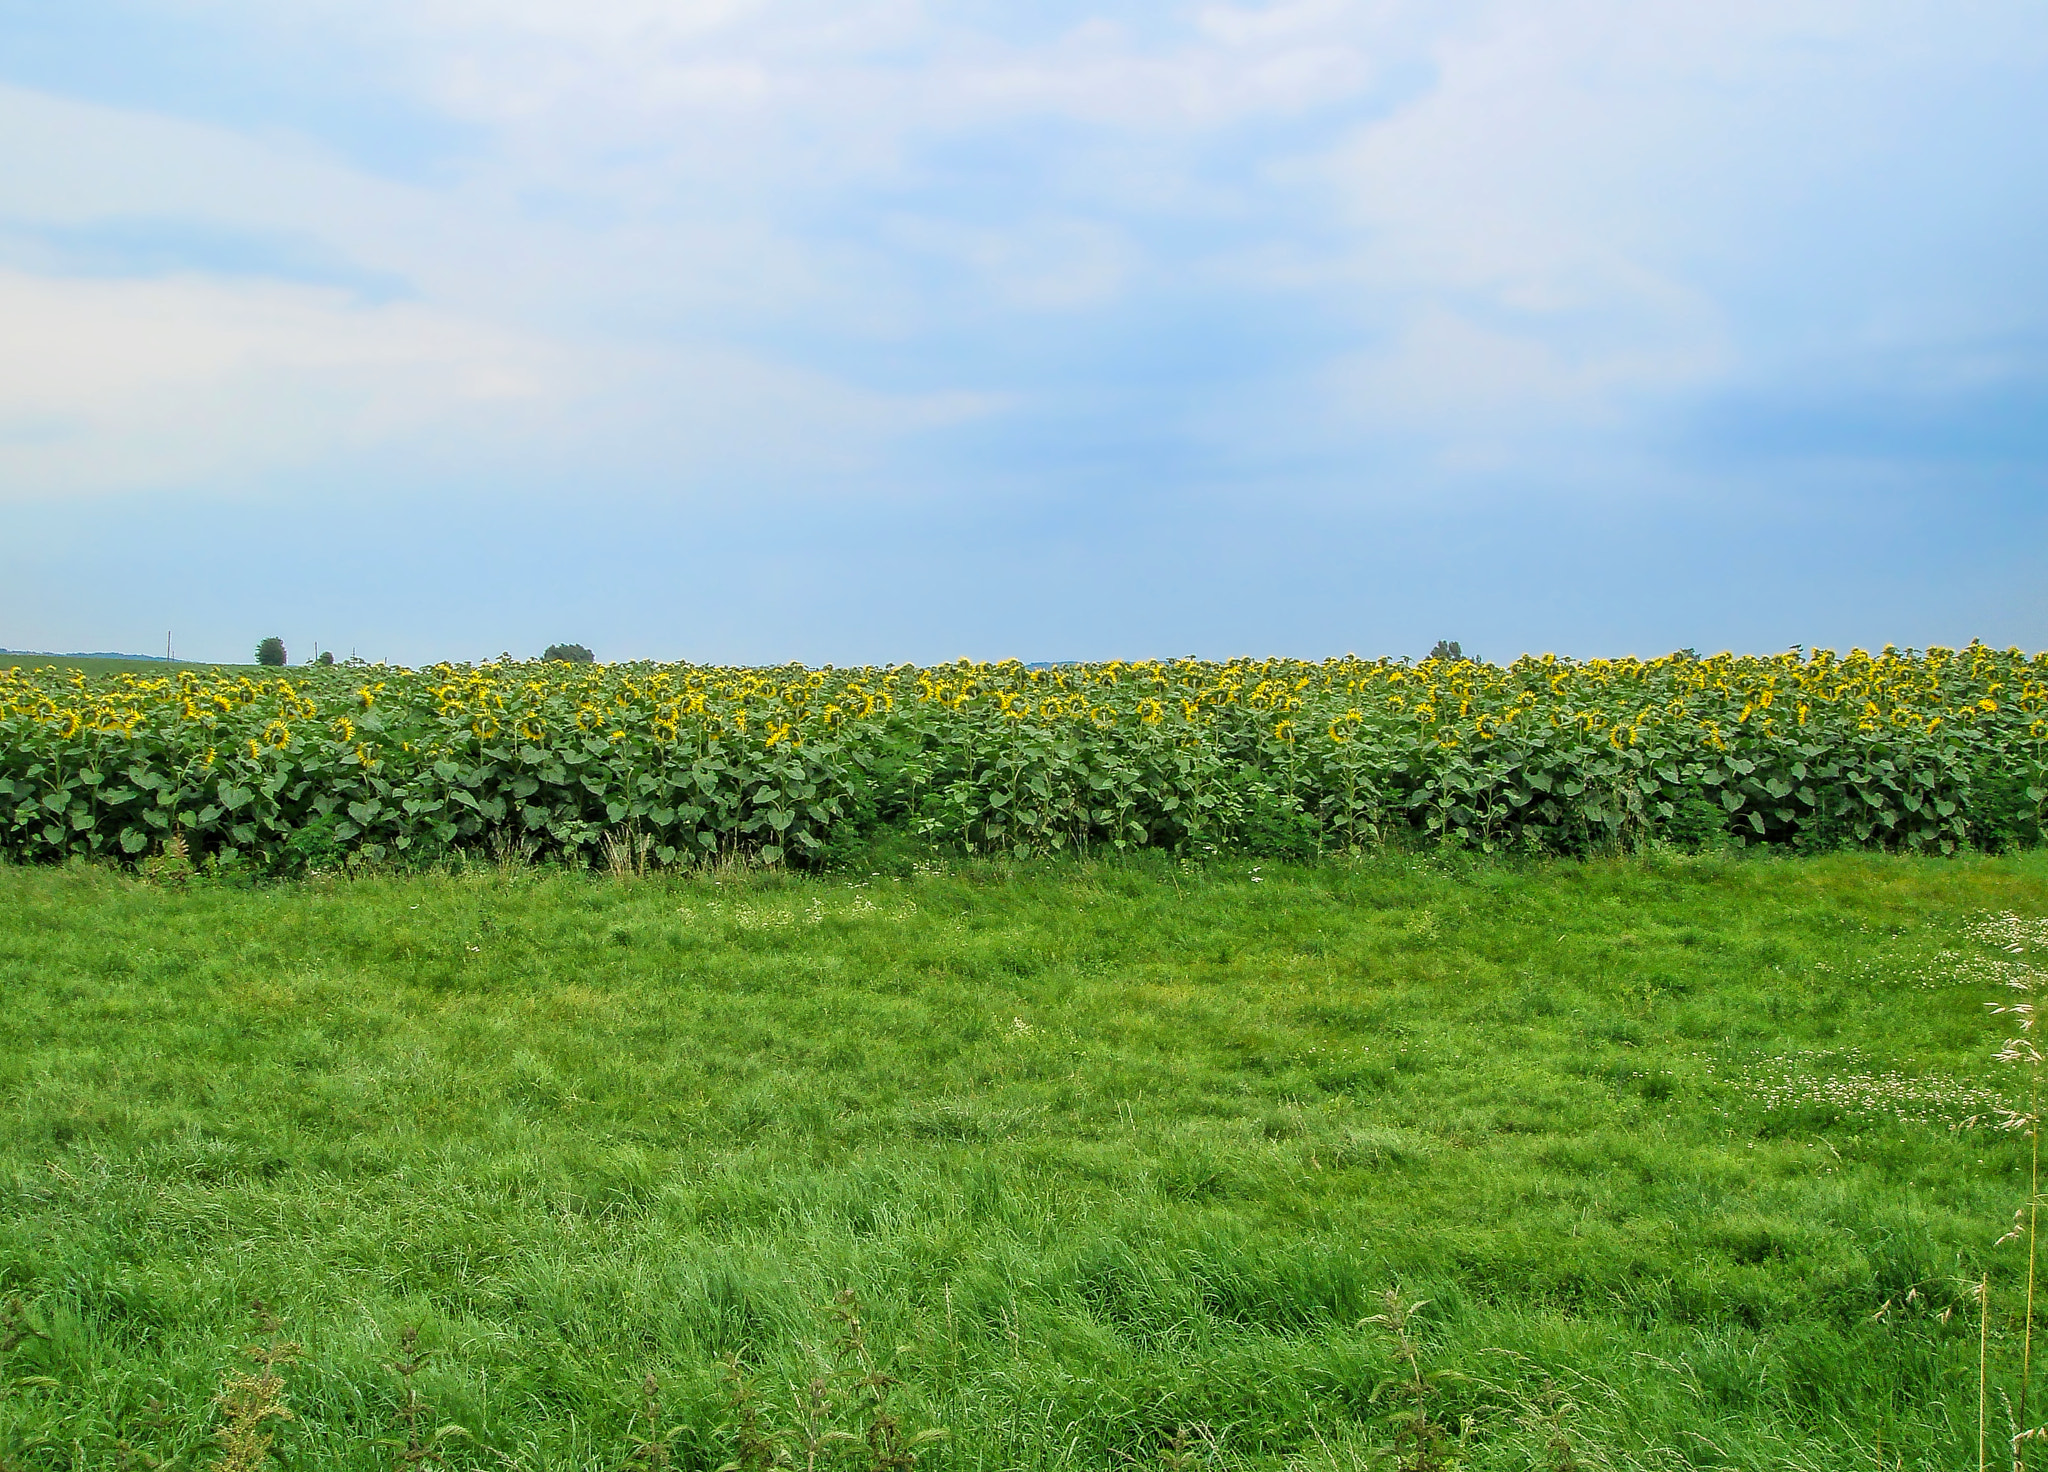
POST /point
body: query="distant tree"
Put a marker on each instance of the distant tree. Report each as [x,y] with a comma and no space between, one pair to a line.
[270,651]
[326,657]
[569,654]
[1447,649]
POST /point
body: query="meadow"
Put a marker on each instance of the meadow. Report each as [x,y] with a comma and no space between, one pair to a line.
[1667,1161]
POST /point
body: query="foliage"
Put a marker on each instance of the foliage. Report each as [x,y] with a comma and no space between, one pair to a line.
[1119,1156]
[1920,751]
[270,652]
[568,654]
[250,1400]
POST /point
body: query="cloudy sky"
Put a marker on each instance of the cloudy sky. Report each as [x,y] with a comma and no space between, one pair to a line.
[879,329]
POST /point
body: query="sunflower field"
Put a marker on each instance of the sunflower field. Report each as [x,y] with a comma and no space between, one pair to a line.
[1924,750]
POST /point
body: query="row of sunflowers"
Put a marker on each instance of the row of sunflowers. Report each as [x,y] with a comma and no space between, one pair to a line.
[1924,750]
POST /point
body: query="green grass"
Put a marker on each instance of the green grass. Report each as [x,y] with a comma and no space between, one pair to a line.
[1109,1154]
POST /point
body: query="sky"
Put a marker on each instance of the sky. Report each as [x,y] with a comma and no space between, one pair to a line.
[878,330]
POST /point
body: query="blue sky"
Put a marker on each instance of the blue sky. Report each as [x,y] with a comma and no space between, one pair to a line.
[879,330]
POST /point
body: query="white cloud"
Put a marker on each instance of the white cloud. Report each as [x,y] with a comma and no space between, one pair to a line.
[523,341]
[681,229]
[114,384]
[1569,224]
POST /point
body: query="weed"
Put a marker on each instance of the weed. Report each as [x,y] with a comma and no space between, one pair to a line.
[1184,1446]
[656,1446]
[1549,1413]
[627,853]
[249,1402]
[509,853]
[2019,936]
[156,1419]
[172,864]
[413,1411]
[1421,1443]
[756,1443]
[15,1326]
[842,1418]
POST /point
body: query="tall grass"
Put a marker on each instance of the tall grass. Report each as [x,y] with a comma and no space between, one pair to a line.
[1690,1158]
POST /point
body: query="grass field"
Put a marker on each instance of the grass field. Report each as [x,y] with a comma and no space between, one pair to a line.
[1117,1160]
